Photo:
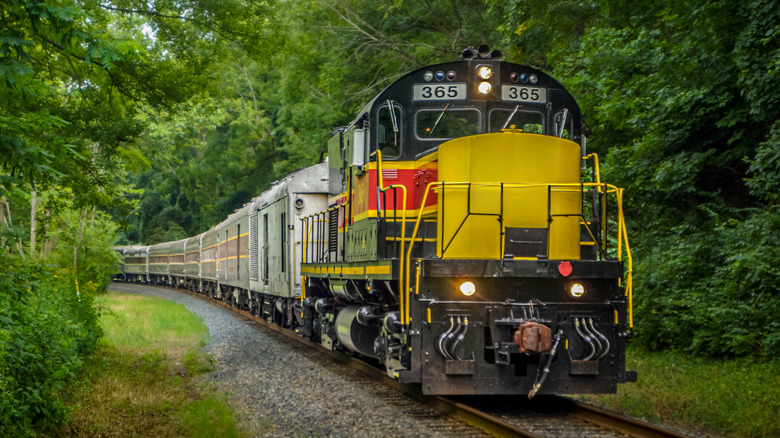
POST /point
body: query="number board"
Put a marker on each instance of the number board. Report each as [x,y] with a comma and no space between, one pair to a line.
[455,91]
[521,93]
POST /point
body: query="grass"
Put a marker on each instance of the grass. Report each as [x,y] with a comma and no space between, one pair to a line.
[141,381]
[728,397]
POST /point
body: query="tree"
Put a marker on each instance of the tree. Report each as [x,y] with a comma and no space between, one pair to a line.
[682,99]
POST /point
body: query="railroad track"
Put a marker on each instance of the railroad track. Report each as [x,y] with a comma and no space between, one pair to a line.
[504,416]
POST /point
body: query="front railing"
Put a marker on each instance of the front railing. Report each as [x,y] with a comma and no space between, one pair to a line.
[604,189]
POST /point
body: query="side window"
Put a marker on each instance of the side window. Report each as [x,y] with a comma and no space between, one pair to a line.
[389,131]
[563,124]
[446,123]
[531,122]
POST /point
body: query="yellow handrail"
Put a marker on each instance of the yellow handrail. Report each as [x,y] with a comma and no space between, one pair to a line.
[407,268]
[303,260]
[382,189]
[629,278]
[595,165]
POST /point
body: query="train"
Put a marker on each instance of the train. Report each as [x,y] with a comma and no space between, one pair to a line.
[458,235]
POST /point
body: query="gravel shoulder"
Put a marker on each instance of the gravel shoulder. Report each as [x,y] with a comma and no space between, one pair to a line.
[281,389]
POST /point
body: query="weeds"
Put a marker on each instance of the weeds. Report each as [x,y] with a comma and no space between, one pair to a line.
[735,397]
[142,379]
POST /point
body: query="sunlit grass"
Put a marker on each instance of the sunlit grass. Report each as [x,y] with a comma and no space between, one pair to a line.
[730,397]
[141,324]
[141,380]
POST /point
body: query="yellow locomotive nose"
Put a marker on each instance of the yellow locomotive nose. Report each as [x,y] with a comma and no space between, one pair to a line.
[509,194]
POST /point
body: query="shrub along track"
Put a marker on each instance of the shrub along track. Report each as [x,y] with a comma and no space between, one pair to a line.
[386,407]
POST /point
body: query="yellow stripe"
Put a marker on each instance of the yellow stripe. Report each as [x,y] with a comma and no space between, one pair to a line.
[587,243]
[405,165]
[232,258]
[348,270]
[409,213]
[353,271]
[525,258]
[418,239]
[235,237]
[387,269]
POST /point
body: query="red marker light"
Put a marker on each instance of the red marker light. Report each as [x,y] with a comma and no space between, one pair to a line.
[565,268]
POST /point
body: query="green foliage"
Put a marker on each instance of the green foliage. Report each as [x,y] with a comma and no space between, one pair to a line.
[734,397]
[682,99]
[97,260]
[318,62]
[46,330]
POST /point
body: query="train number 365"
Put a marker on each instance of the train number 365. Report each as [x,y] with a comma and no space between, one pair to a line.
[516,93]
[440,91]
[523,93]
[455,91]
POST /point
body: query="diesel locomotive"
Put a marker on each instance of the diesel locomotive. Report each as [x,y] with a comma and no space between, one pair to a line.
[458,235]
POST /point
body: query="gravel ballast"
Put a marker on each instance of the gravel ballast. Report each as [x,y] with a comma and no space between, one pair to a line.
[283,389]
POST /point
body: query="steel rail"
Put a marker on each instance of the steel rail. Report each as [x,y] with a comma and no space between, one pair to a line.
[474,417]
[620,423]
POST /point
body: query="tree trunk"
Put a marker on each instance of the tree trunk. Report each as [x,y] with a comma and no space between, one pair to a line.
[6,216]
[33,221]
[4,223]
[77,246]
[251,89]
[48,241]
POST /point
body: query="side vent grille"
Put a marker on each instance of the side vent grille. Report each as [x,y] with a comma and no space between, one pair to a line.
[254,265]
[333,230]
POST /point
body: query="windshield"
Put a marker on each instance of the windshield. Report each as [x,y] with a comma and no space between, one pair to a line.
[447,122]
[531,122]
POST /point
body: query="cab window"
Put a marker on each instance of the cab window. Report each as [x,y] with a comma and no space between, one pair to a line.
[447,122]
[531,122]
[388,131]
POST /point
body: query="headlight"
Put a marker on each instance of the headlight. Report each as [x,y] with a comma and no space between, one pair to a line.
[467,288]
[576,290]
[485,87]
[485,72]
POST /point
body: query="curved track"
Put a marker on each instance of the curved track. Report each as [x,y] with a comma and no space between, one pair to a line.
[506,416]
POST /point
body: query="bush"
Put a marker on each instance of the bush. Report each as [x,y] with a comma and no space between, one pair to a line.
[46,330]
[711,289]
